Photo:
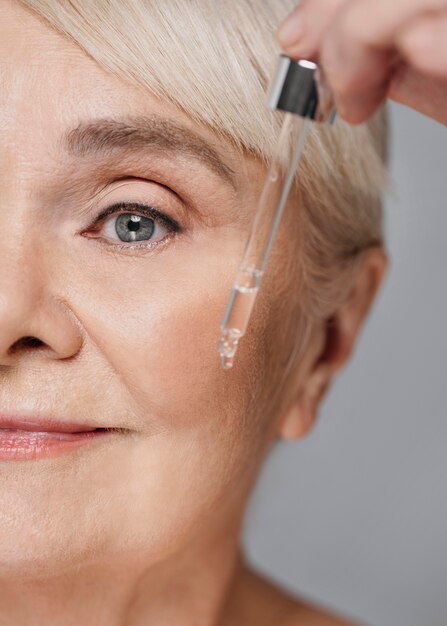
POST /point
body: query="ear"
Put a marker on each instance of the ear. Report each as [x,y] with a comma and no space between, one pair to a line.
[332,345]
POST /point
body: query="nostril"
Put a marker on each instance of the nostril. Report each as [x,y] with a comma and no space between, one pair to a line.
[27,342]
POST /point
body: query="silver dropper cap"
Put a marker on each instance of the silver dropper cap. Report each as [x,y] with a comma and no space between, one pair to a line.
[300,87]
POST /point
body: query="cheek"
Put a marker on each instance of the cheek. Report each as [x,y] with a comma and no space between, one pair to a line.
[150,361]
[157,325]
[156,321]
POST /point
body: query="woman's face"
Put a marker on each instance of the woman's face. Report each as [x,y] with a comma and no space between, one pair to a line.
[128,334]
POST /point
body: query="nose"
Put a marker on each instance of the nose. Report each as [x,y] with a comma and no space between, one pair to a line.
[36,322]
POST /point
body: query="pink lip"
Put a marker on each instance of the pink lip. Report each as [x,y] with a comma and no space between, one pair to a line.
[34,423]
[32,437]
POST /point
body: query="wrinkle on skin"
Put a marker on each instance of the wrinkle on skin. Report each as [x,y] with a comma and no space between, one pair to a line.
[129,341]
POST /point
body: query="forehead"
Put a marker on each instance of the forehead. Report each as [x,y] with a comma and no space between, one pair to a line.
[49,85]
[38,62]
[41,70]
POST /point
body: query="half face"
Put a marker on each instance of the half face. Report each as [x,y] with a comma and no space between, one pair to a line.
[123,223]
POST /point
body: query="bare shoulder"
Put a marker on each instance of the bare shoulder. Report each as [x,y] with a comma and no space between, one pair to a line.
[262,601]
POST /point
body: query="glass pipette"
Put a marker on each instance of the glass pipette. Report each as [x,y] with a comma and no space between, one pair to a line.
[298,88]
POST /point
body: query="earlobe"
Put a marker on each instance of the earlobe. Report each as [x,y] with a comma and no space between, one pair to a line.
[302,414]
[297,421]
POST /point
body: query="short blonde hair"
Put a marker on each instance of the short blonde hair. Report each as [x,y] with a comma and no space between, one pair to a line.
[213,59]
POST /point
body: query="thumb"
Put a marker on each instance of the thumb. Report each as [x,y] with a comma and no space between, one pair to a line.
[301,33]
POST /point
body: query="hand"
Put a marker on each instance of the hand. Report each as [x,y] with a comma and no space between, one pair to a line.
[374,49]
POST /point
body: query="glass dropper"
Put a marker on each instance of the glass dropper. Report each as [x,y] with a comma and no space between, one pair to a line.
[298,88]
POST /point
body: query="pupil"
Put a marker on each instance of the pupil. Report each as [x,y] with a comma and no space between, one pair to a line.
[134,228]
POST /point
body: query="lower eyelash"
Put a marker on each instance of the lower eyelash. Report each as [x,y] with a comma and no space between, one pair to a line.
[145,246]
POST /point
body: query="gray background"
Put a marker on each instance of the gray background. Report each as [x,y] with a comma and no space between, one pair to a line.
[355,515]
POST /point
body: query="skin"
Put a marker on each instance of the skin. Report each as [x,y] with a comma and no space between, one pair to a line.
[142,527]
[374,49]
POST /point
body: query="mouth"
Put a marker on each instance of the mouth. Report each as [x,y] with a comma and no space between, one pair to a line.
[24,438]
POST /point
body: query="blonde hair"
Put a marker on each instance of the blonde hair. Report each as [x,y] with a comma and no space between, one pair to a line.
[213,59]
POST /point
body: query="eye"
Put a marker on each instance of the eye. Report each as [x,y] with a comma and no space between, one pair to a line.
[135,222]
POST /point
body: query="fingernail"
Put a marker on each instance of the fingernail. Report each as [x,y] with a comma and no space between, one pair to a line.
[291,29]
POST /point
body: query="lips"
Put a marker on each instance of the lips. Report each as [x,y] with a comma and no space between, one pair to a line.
[42,424]
[33,437]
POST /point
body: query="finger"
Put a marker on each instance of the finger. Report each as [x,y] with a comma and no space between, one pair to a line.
[373,21]
[358,53]
[302,32]
[304,28]
[423,44]
[421,92]
[359,82]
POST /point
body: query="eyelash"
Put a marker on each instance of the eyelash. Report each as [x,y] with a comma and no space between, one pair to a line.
[136,208]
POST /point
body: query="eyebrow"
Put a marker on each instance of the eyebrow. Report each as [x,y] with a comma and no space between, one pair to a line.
[131,133]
